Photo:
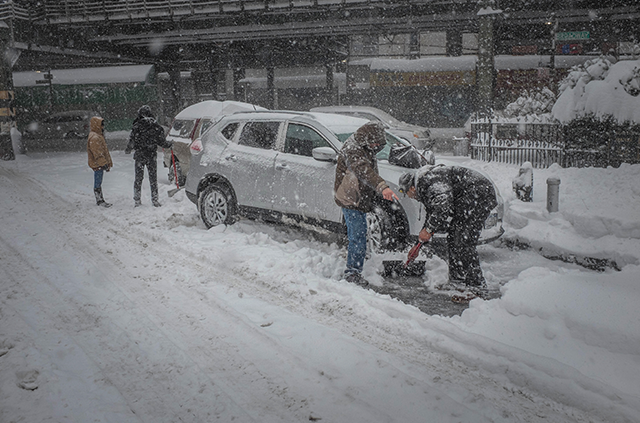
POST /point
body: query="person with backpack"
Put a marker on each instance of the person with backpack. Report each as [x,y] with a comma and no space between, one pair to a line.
[99,157]
[145,138]
[357,184]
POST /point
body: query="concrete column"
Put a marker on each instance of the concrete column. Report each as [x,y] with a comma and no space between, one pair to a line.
[238,92]
[454,42]
[332,97]
[414,45]
[486,52]
[7,112]
[173,107]
[271,88]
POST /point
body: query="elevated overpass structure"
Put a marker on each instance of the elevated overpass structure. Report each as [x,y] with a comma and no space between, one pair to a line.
[212,38]
[243,33]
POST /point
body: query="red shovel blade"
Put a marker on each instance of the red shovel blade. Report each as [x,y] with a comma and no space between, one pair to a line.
[413,253]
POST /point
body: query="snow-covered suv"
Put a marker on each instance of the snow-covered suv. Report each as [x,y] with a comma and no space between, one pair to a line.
[281,166]
[189,125]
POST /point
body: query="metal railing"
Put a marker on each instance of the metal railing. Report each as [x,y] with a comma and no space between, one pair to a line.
[551,143]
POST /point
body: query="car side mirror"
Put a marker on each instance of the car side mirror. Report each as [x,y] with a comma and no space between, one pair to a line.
[324,154]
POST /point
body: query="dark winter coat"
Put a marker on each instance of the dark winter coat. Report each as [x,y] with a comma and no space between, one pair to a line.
[97,150]
[452,193]
[145,138]
[356,156]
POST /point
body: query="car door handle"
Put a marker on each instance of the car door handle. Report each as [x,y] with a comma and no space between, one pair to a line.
[231,157]
[282,166]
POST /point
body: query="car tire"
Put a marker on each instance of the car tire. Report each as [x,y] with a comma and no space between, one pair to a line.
[217,205]
[386,229]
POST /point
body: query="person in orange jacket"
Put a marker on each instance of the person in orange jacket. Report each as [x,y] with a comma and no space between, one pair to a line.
[99,157]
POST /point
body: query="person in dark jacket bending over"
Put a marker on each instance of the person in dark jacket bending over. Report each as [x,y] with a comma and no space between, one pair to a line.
[457,201]
[357,183]
[146,136]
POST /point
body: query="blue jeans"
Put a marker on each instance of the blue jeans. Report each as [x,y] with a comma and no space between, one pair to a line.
[357,233]
[97,178]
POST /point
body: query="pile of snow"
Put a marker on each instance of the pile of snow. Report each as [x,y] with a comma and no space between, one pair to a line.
[600,88]
[142,315]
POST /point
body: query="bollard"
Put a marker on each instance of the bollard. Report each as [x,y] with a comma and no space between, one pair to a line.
[553,194]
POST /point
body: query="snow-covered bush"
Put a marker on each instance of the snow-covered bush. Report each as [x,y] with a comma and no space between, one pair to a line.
[601,89]
[535,102]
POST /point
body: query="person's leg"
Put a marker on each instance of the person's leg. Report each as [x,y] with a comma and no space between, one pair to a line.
[97,178]
[152,170]
[455,250]
[357,233]
[475,224]
[97,185]
[137,182]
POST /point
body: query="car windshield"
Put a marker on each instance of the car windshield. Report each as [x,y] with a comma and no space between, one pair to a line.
[343,126]
[391,141]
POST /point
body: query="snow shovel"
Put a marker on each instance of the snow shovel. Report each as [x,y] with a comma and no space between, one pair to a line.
[172,192]
[408,268]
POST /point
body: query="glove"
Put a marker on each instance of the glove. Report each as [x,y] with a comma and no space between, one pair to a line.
[127,151]
[413,254]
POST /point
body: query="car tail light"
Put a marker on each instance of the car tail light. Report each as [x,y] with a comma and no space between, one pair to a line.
[196,147]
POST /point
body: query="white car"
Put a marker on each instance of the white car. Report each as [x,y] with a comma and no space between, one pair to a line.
[190,124]
[281,166]
[419,136]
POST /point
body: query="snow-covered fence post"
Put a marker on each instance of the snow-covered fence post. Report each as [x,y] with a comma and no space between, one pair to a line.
[553,194]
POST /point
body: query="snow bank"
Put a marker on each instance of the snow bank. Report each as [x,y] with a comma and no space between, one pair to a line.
[602,89]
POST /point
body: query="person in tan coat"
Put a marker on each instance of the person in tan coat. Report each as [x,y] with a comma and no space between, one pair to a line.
[357,184]
[99,157]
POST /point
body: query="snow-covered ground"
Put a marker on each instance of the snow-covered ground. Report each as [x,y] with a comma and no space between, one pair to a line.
[142,315]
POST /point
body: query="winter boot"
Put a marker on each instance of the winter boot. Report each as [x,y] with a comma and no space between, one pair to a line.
[156,203]
[99,199]
[357,278]
[137,203]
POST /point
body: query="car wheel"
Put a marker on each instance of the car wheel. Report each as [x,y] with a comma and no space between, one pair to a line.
[386,229]
[216,205]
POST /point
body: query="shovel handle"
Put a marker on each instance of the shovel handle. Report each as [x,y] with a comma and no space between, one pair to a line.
[175,169]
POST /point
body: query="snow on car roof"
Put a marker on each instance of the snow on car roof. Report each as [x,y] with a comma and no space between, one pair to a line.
[339,124]
[211,108]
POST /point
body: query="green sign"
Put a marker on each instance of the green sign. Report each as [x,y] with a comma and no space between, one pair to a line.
[572,36]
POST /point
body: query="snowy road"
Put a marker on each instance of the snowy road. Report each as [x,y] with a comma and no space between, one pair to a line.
[141,315]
